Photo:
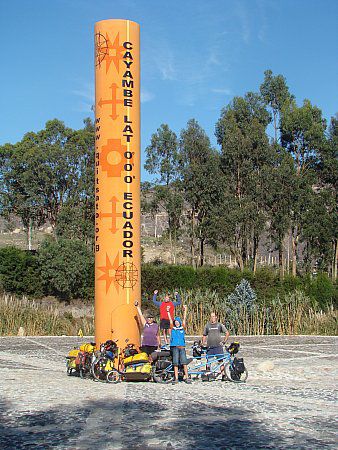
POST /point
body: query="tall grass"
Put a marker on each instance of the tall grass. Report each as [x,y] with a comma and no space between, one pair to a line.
[292,314]
[39,320]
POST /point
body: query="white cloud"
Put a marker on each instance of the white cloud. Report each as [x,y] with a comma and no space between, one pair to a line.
[146,96]
[86,97]
[224,91]
[244,21]
[86,91]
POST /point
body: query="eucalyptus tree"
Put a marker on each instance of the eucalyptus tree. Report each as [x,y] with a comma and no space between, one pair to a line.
[245,156]
[42,173]
[201,176]
[162,159]
[275,94]
[303,137]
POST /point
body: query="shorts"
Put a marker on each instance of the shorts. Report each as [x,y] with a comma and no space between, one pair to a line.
[179,356]
[215,351]
[148,349]
[165,324]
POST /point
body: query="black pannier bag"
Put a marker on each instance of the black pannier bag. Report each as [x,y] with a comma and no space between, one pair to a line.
[163,354]
[162,364]
[239,365]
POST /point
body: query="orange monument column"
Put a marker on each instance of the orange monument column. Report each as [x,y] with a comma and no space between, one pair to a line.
[117,181]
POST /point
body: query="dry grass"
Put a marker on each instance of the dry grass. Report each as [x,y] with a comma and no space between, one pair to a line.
[291,315]
[38,320]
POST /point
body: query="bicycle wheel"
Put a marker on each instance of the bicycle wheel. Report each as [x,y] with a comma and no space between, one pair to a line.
[113,376]
[233,376]
[98,369]
[162,376]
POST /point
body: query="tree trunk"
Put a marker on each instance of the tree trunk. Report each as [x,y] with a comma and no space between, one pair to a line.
[294,250]
[192,243]
[29,234]
[255,253]
[201,251]
[275,125]
[335,260]
[281,261]
[171,247]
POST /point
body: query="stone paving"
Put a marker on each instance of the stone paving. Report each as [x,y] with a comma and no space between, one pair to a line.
[288,401]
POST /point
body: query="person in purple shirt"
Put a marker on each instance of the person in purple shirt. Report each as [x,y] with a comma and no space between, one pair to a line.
[151,337]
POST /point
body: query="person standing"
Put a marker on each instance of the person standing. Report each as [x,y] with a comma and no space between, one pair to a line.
[164,317]
[177,344]
[151,340]
[212,338]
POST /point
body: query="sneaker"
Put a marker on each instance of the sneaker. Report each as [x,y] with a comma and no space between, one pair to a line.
[187,380]
[224,378]
[174,382]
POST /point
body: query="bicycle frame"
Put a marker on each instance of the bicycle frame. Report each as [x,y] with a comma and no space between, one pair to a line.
[215,363]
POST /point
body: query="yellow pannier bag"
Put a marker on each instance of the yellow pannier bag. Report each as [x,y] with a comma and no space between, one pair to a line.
[71,363]
[73,353]
[142,368]
[145,368]
[89,348]
[109,366]
[139,358]
[71,358]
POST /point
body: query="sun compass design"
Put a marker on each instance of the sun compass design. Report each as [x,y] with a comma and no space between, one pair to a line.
[101,48]
[126,275]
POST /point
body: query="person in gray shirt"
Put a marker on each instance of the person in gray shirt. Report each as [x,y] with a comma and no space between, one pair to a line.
[212,338]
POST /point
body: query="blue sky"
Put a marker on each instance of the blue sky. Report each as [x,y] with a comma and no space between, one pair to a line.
[195,55]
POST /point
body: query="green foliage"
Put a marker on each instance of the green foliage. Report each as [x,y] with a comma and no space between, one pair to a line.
[241,214]
[67,269]
[265,282]
[19,272]
[275,94]
[163,159]
[43,171]
[243,295]
[201,178]
[322,290]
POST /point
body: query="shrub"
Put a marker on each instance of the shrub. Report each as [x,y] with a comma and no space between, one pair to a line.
[67,269]
[19,272]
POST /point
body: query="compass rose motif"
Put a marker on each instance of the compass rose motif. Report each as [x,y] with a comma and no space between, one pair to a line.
[126,275]
[101,48]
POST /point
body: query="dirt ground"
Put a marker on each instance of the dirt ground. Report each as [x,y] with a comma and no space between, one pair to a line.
[288,401]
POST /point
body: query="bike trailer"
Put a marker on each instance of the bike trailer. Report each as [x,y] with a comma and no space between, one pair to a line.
[138,372]
[136,359]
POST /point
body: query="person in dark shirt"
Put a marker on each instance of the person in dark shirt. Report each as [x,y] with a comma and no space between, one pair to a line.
[212,338]
[164,318]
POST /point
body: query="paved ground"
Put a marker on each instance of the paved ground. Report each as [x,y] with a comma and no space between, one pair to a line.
[290,406]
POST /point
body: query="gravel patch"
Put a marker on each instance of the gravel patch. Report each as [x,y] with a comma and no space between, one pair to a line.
[289,406]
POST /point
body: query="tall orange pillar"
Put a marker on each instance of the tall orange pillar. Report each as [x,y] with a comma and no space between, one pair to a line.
[117,181]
